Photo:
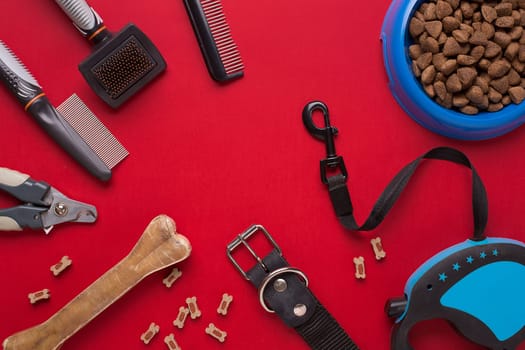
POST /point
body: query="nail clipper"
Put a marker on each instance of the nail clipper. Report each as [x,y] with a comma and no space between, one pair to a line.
[44,206]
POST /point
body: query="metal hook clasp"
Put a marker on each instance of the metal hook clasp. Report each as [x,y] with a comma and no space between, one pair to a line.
[326,134]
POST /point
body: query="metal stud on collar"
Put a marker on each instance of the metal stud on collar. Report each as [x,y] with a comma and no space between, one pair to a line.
[274,274]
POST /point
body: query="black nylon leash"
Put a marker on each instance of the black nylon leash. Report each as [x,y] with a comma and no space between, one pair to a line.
[340,195]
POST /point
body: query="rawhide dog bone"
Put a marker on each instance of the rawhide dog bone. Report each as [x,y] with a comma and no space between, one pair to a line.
[159,246]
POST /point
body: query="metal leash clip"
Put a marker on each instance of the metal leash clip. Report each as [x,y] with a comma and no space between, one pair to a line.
[326,134]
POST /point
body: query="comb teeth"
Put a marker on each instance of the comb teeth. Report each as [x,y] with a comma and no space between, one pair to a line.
[123,68]
[12,61]
[220,30]
[91,129]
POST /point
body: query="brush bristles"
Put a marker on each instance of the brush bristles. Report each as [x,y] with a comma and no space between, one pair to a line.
[220,30]
[92,131]
[123,68]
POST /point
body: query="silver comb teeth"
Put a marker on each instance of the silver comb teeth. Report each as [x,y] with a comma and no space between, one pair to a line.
[13,62]
[91,129]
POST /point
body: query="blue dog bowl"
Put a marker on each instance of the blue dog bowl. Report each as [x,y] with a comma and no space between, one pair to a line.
[409,92]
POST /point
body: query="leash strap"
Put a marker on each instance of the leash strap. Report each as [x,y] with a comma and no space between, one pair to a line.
[340,196]
[283,290]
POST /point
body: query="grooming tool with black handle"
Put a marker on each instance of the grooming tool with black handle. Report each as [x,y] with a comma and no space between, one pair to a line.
[122,63]
[44,205]
[72,125]
[220,52]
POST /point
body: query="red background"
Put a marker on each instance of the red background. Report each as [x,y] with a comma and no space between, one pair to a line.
[219,158]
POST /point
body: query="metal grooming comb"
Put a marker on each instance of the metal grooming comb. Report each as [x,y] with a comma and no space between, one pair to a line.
[73,126]
[121,64]
[220,52]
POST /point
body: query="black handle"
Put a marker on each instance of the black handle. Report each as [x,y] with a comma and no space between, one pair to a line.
[64,134]
[29,93]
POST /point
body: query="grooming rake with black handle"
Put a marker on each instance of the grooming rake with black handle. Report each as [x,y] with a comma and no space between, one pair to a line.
[122,63]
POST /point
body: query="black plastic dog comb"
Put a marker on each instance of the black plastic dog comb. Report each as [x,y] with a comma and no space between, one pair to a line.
[220,52]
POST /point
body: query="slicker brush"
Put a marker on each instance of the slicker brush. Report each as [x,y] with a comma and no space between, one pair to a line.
[122,63]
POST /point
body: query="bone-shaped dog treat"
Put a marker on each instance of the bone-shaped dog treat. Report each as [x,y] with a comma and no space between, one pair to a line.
[159,246]
[150,333]
[360,268]
[172,277]
[60,266]
[39,296]
[378,248]
[225,304]
[181,317]
[194,308]
[216,332]
[171,342]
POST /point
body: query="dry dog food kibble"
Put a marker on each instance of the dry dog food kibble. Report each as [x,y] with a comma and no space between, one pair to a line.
[470,55]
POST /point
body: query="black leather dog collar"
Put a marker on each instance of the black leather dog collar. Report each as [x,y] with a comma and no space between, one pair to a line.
[284,290]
